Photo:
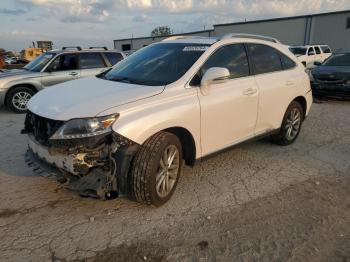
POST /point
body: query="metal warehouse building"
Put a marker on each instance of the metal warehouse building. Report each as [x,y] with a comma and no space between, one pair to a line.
[326,28]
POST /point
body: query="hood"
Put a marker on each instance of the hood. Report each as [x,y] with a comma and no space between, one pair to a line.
[86,97]
[17,74]
[336,74]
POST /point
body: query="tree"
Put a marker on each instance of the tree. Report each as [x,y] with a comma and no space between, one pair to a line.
[161,31]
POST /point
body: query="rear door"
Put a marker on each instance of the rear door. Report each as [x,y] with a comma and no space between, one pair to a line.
[91,63]
[276,85]
[63,68]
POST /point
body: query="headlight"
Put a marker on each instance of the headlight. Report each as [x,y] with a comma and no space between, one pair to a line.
[85,127]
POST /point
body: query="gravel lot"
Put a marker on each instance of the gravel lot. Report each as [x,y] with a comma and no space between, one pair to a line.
[255,202]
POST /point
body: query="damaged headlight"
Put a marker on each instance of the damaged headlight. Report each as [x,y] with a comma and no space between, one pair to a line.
[85,127]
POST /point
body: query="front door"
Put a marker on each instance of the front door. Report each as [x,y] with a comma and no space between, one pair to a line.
[229,111]
[63,68]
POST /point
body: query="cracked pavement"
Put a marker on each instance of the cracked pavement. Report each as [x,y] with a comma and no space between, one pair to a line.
[254,202]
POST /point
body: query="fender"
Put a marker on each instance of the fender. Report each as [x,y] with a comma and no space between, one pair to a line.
[160,113]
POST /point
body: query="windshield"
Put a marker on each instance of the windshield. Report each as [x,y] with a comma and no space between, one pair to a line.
[298,50]
[159,64]
[338,60]
[38,63]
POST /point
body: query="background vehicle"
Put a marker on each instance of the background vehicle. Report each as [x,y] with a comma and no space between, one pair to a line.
[309,54]
[50,68]
[332,78]
[129,130]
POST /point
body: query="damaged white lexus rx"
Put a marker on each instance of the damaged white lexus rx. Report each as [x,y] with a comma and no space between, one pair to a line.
[128,131]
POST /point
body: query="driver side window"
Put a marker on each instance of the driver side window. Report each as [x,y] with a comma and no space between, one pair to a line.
[64,62]
[233,57]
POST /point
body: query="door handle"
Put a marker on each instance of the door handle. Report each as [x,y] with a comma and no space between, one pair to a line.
[73,73]
[289,83]
[250,91]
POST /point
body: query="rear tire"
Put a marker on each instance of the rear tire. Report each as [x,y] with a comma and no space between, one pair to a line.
[291,125]
[18,97]
[156,168]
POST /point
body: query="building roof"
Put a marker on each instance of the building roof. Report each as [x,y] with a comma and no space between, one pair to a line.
[241,23]
[283,18]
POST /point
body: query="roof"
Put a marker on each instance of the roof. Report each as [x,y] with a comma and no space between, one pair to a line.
[283,18]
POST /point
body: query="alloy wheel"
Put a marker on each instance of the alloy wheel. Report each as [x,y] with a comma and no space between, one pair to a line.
[20,100]
[293,124]
[169,165]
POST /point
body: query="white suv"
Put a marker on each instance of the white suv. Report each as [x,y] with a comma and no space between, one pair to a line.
[129,130]
[310,54]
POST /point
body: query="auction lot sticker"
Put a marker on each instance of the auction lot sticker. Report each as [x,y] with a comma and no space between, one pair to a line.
[195,48]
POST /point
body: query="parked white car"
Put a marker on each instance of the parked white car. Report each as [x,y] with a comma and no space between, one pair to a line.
[129,130]
[310,54]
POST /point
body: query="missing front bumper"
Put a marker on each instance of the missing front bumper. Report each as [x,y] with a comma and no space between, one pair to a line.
[103,177]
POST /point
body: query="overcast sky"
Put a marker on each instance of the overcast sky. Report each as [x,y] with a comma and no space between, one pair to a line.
[99,22]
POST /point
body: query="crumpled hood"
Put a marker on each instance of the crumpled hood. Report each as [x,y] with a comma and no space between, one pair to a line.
[86,97]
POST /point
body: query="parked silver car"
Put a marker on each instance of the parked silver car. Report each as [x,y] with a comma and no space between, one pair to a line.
[50,68]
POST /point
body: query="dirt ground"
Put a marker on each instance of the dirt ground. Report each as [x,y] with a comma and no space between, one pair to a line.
[255,202]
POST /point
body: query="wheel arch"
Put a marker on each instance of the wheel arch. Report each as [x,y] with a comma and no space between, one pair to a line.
[302,101]
[31,86]
[187,142]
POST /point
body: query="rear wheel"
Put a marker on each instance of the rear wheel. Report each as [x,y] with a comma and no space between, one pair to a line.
[18,98]
[156,168]
[291,125]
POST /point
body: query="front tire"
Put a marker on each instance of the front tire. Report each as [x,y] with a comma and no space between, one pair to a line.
[291,125]
[156,169]
[18,97]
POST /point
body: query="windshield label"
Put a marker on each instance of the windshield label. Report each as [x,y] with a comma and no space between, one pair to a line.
[195,48]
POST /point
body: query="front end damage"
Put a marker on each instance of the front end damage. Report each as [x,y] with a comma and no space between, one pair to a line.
[94,166]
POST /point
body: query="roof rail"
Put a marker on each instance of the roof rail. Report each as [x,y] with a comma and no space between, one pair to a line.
[98,47]
[71,47]
[260,37]
[174,37]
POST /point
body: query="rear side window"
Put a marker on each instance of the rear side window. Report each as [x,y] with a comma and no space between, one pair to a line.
[326,49]
[287,63]
[265,59]
[113,57]
[232,57]
[91,60]
[318,51]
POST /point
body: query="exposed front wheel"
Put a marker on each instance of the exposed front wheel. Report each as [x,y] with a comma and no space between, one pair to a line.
[18,98]
[156,168]
[291,125]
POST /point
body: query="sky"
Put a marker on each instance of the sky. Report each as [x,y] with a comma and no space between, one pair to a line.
[99,22]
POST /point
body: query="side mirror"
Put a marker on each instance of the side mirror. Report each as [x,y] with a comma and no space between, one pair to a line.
[213,75]
[317,63]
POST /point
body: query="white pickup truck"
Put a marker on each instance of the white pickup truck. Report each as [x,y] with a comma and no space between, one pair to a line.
[309,54]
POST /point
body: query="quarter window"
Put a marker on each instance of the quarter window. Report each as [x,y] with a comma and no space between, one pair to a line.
[232,57]
[326,49]
[287,63]
[113,57]
[91,60]
[265,59]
